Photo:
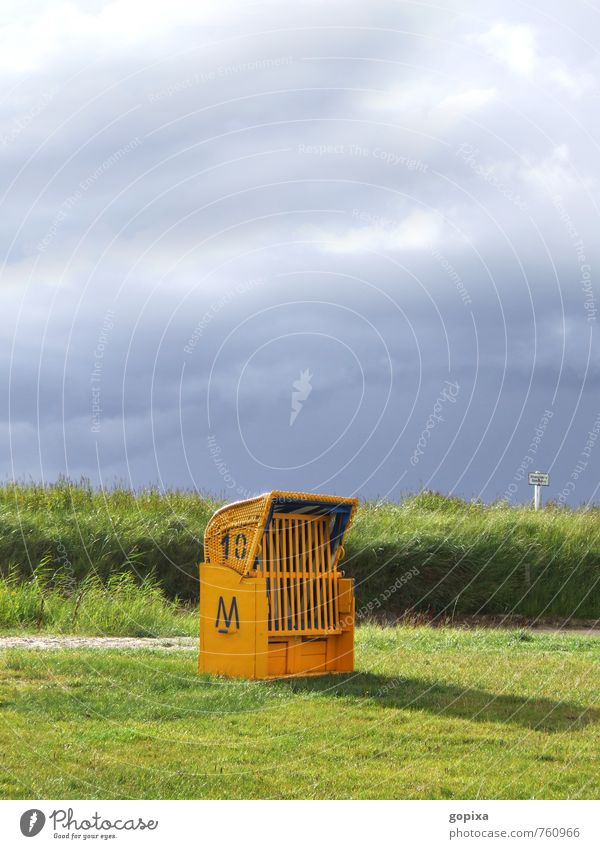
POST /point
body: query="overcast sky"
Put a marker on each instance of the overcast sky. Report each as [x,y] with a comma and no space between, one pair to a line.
[348,247]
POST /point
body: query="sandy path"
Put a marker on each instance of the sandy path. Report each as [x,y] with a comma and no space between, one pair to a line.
[179,643]
[41,642]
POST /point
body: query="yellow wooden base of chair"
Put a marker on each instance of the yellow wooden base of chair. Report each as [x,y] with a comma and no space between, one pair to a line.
[235,639]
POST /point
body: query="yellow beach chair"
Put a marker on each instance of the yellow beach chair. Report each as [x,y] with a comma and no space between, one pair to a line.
[273,601]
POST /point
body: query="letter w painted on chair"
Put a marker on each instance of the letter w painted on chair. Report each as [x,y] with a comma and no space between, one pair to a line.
[227,616]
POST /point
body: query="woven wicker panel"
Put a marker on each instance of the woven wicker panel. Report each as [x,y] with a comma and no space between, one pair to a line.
[234,534]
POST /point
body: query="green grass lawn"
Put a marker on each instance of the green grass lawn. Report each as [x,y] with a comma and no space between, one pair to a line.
[430,713]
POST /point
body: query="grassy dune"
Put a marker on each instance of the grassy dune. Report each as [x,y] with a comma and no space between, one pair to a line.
[427,554]
[430,713]
[121,606]
[473,558]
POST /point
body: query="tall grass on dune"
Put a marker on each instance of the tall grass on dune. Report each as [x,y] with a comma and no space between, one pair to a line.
[78,530]
[429,553]
[471,558]
[120,607]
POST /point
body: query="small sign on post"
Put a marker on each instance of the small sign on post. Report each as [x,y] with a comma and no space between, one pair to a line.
[537,480]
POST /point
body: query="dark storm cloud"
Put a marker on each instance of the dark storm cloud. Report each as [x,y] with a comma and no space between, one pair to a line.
[205,210]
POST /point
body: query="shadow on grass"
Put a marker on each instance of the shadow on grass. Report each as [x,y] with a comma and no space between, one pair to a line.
[449,700]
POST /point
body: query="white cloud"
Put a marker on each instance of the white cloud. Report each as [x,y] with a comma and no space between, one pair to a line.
[426,101]
[468,100]
[574,84]
[512,44]
[417,231]
[553,173]
[515,45]
[414,96]
[29,43]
